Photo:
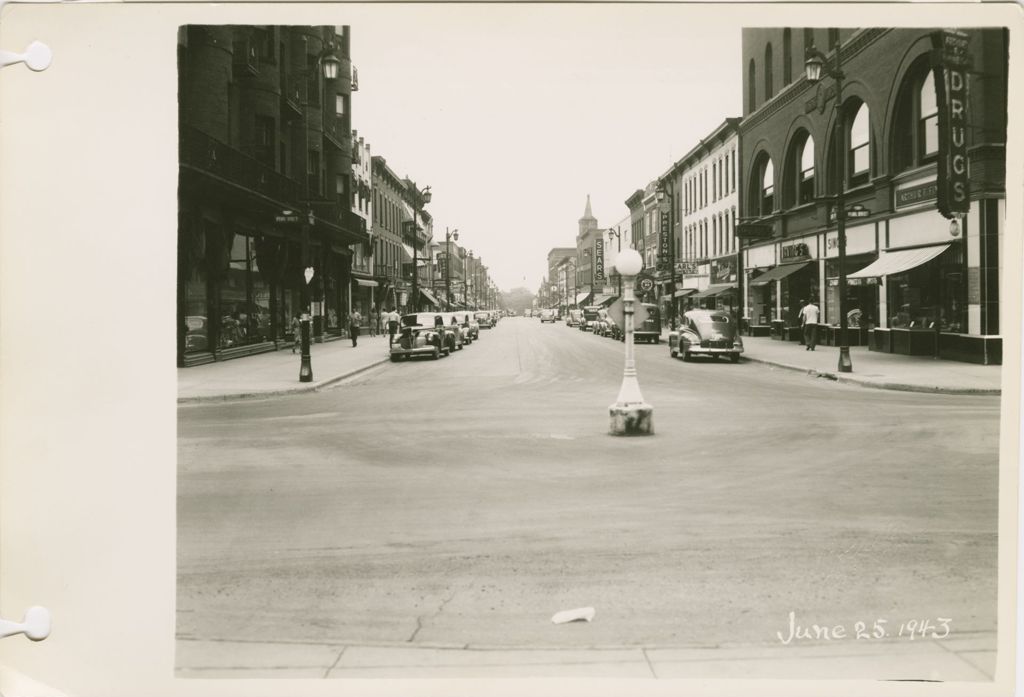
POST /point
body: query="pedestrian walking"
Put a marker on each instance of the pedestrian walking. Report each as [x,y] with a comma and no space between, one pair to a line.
[796,319]
[354,320]
[296,332]
[809,322]
[393,319]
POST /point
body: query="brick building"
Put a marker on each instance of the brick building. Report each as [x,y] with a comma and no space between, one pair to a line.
[918,283]
[265,186]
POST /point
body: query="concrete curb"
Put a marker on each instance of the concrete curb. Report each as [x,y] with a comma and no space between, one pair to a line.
[312,387]
[896,386]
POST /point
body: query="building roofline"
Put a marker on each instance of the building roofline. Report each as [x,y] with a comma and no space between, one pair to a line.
[729,127]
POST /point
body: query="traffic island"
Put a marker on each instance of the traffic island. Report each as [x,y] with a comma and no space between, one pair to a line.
[631,419]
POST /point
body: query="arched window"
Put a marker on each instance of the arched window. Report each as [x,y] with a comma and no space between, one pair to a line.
[805,172]
[751,87]
[768,91]
[787,57]
[767,188]
[859,152]
[927,117]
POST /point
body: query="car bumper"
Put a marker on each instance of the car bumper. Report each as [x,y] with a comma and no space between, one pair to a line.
[697,350]
[418,351]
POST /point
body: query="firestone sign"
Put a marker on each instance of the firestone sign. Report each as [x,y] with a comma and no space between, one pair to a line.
[599,260]
[951,61]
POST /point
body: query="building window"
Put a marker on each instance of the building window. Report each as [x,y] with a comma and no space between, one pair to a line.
[313,172]
[915,128]
[264,140]
[264,38]
[714,236]
[787,57]
[860,147]
[768,89]
[312,81]
[928,118]
[803,172]
[751,87]
[339,105]
[714,181]
[767,197]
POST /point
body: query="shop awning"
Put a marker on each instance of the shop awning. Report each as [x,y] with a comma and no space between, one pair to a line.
[714,290]
[580,297]
[899,261]
[365,283]
[683,292]
[603,300]
[778,272]
[429,296]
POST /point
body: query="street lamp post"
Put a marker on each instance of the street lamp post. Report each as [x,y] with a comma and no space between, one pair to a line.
[330,64]
[420,198]
[448,237]
[618,238]
[814,65]
[630,415]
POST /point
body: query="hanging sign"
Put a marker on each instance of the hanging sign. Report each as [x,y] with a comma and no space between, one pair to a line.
[599,260]
[663,243]
[950,62]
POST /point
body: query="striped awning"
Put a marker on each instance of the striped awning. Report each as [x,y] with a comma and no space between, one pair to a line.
[889,263]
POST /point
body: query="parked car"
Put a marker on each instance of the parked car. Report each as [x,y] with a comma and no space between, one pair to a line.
[484,319]
[706,333]
[573,318]
[423,332]
[646,323]
[588,317]
[469,323]
[547,316]
[453,322]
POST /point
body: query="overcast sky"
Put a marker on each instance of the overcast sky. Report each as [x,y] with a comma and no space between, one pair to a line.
[514,113]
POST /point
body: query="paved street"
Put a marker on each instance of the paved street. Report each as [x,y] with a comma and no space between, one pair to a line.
[490,497]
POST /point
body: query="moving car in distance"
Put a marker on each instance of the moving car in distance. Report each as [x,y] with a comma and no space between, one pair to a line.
[547,316]
[573,318]
[706,333]
[527,313]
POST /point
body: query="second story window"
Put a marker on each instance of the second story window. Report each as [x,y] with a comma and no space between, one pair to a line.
[928,117]
[767,187]
[860,147]
[805,174]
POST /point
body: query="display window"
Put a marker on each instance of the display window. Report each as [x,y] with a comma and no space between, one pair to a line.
[197,329]
[861,293]
[244,298]
[931,294]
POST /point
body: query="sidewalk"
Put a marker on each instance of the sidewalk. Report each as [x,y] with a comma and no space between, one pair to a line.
[880,370]
[277,372]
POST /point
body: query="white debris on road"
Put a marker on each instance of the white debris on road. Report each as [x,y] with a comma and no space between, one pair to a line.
[580,614]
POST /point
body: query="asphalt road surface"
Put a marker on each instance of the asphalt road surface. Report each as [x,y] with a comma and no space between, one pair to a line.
[464,501]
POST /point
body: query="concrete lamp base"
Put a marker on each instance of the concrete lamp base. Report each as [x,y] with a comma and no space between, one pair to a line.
[631,419]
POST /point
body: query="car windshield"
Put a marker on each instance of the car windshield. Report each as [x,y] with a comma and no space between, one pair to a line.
[423,319]
[481,315]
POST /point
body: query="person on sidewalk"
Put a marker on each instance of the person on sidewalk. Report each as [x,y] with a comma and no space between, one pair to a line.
[393,319]
[296,328]
[809,322]
[354,320]
[796,320]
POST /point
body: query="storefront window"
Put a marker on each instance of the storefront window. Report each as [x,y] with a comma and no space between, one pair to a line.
[933,292]
[861,294]
[244,298]
[197,334]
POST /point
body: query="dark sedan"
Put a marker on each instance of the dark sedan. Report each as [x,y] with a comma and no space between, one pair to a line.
[706,333]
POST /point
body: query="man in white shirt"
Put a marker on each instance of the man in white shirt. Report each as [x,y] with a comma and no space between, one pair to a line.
[809,321]
[392,318]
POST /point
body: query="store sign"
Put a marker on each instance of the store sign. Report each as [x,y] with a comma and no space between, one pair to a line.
[795,252]
[950,62]
[723,270]
[686,268]
[599,260]
[753,231]
[664,240]
[909,195]
[442,264]
[286,217]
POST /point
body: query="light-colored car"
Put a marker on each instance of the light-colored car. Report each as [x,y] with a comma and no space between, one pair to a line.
[547,316]
[484,319]
[706,333]
[468,323]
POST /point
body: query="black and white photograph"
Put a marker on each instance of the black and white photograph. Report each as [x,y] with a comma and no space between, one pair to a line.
[487,348]
[650,351]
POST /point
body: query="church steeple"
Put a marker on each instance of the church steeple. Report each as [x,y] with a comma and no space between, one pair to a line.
[587,215]
[588,222]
